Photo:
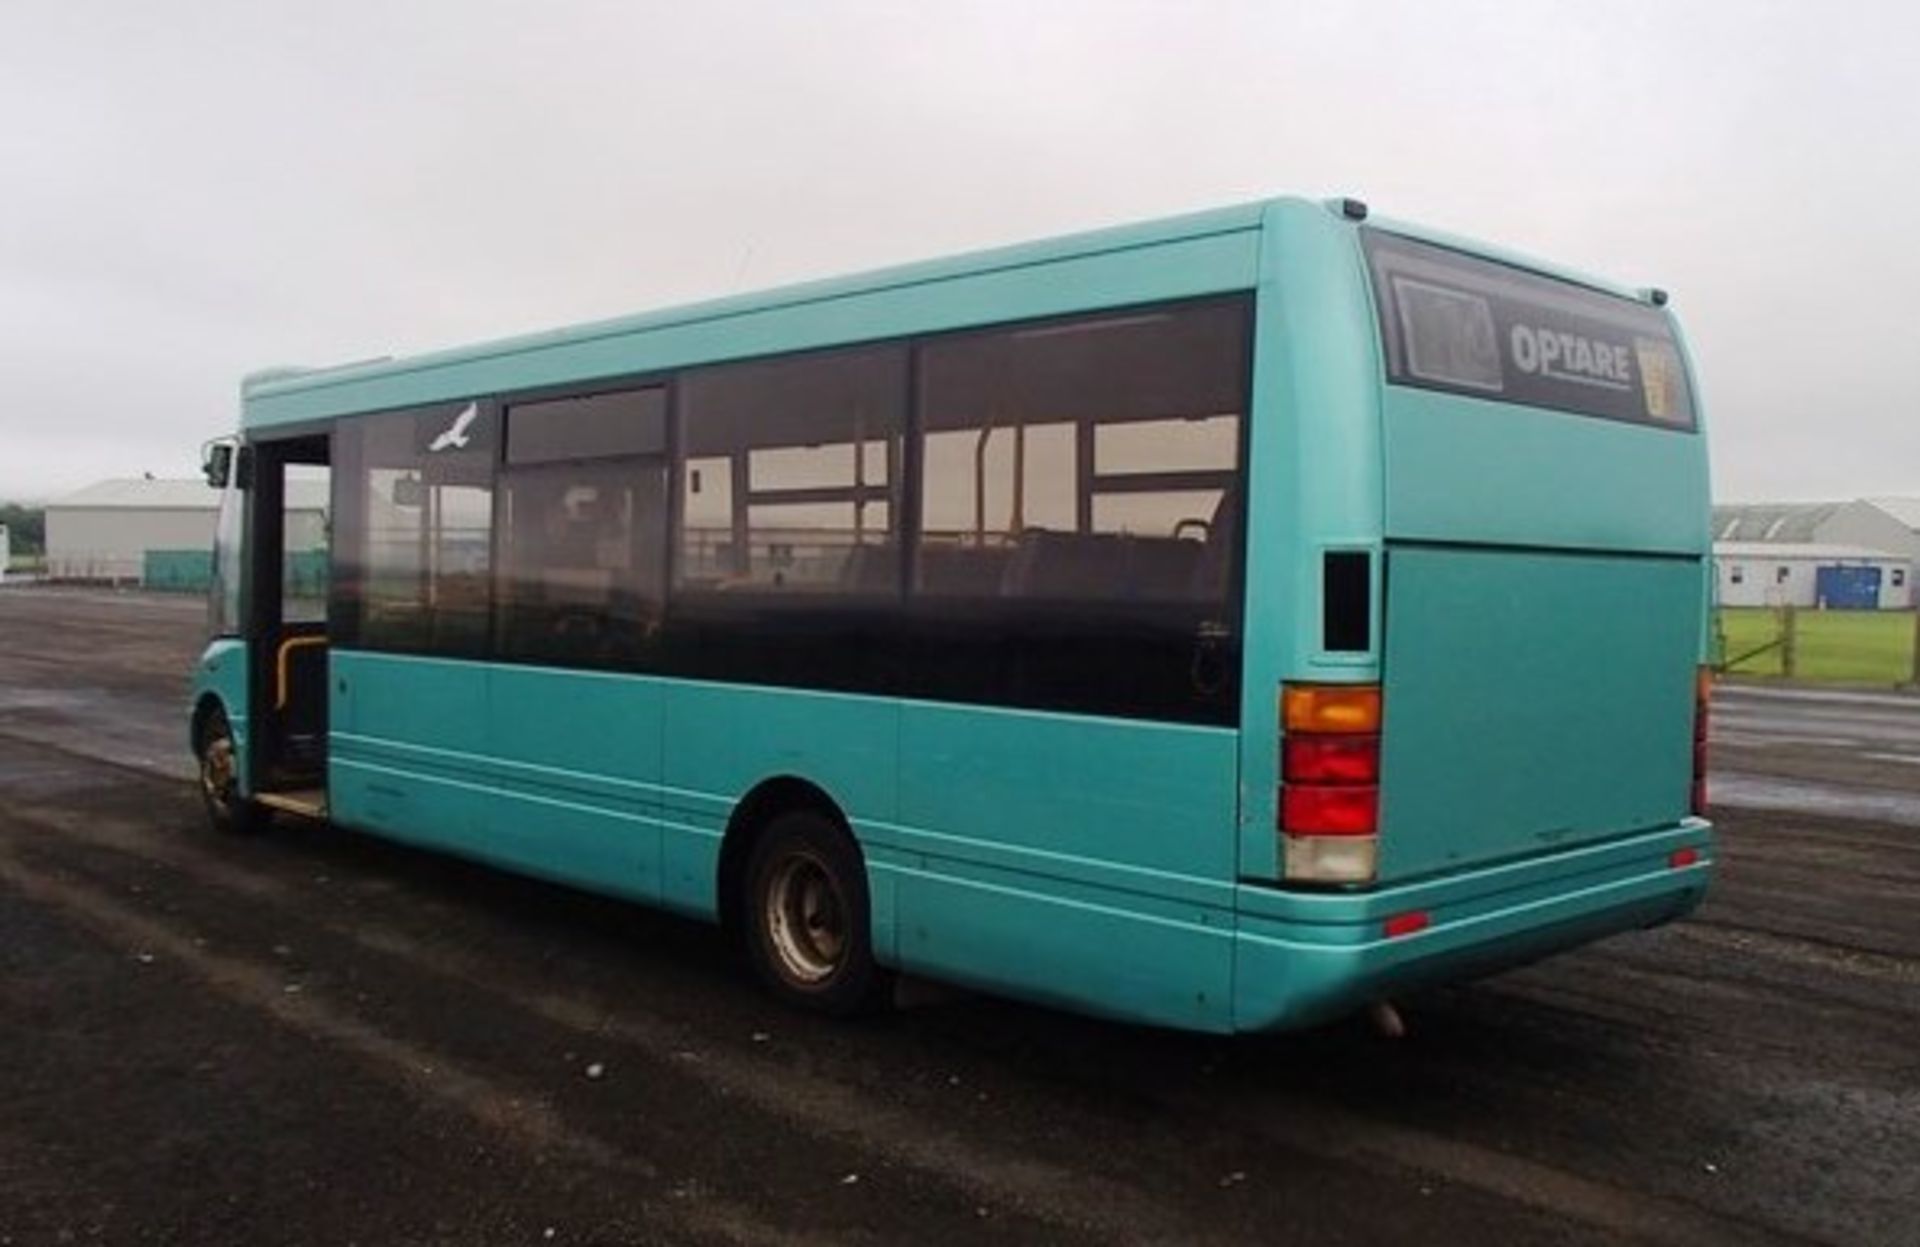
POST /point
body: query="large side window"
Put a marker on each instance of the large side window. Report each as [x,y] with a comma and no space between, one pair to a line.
[583,541]
[1091,459]
[790,476]
[1080,510]
[416,494]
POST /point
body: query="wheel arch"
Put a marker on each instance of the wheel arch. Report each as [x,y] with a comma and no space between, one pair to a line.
[208,704]
[764,802]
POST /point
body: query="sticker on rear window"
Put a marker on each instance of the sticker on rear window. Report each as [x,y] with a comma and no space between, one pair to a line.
[1449,335]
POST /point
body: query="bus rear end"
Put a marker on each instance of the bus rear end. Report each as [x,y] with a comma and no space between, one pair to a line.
[1524,771]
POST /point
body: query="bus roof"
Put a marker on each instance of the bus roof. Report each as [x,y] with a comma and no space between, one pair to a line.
[281,395]
[1511,258]
[1191,255]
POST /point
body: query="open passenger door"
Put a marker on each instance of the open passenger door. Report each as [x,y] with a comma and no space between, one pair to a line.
[289,557]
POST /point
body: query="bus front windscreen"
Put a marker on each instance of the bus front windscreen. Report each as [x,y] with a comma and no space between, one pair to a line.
[1467,325]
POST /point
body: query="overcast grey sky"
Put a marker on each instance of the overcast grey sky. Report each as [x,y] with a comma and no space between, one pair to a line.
[192,190]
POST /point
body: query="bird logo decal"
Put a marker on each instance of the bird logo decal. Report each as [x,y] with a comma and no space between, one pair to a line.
[456,436]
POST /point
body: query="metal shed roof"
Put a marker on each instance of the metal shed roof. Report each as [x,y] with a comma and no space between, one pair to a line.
[1771,521]
[172,494]
[1906,510]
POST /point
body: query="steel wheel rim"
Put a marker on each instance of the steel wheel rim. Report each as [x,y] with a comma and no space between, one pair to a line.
[216,772]
[806,919]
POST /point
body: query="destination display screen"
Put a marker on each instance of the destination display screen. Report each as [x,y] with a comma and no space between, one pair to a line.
[1459,323]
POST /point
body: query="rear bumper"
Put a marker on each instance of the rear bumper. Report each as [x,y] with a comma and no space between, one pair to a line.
[1305,957]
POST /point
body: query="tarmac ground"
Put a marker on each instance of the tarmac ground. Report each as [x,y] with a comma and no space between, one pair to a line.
[313,1036]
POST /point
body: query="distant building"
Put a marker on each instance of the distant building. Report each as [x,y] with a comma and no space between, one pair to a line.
[115,531]
[1905,510]
[1843,555]
[1799,573]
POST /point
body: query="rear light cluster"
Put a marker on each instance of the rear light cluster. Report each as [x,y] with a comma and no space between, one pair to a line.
[1330,782]
[1702,690]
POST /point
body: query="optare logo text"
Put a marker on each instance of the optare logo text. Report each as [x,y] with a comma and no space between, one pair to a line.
[1570,357]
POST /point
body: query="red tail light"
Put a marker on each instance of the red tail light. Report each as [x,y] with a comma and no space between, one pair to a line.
[1702,691]
[1329,811]
[1331,760]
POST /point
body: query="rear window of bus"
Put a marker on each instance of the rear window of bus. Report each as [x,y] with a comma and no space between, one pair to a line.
[1465,325]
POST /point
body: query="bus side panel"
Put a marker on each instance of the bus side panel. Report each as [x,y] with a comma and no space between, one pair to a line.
[1118,955]
[1073,860]
[723,740]
[547,772]
[406,749]
[578,756]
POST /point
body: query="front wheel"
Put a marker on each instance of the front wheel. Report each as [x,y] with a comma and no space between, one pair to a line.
[809,932]
[227,809]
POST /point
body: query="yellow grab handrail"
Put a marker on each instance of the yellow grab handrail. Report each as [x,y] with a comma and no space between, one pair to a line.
[281,692]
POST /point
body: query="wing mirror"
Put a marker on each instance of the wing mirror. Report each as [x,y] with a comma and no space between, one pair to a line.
[216,463]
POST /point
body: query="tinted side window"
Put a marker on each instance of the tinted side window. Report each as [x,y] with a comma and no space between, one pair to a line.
[1094,459]
[583,541]
[1079,535]
[790,476]
[590,426]
[417,503]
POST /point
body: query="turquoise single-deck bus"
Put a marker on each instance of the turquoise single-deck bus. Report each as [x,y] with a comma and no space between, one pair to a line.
[1227,623]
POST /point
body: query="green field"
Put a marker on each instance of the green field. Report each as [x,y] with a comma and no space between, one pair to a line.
[1849,647]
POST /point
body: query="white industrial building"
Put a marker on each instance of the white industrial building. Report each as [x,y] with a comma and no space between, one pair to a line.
[1789,573]
[105,531]
[1851,555]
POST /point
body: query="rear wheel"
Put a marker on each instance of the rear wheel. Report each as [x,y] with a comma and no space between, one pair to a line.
[227,809]
[807,917]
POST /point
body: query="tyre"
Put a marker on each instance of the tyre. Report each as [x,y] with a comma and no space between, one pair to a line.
[227,810]
[807,919]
